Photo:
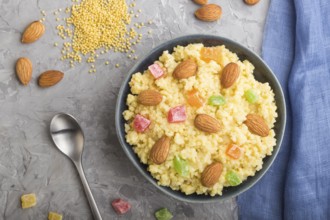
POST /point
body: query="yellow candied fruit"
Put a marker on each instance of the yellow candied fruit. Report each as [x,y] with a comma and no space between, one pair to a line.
[54,216]
[28,200]
[211,53]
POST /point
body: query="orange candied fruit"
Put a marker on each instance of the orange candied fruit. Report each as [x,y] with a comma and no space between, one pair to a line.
[194,99]
[211,53]
[234,151]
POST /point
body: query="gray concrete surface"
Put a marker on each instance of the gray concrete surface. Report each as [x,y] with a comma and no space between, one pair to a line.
[29,162]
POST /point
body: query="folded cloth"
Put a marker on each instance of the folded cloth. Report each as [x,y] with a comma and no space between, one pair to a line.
[297,48]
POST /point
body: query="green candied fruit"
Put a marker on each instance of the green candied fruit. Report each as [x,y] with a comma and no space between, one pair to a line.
[251,96]
[181,166]
[232,178]
[163,214]
[217,100]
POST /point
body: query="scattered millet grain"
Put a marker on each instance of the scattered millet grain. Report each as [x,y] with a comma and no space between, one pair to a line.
[90,25]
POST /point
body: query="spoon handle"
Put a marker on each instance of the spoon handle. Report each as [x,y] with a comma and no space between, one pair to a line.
[91,200]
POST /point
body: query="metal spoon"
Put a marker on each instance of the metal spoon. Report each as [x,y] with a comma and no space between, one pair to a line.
[69,138]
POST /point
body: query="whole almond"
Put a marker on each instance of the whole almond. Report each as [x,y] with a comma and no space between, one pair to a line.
[206,123]
[229,75]
[211,174]
[150,97]
[24,70]
[185,69]
[159,151]
[251,2]
[50,78]
[210,12]
[257,125]
[201,2]
[33,32]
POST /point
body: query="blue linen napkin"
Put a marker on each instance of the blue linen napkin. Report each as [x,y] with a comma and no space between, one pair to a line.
[297,48]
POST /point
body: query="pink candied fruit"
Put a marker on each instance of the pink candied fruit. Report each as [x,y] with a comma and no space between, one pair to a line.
[120,206]
[156,70]
[177,114]
[140,123]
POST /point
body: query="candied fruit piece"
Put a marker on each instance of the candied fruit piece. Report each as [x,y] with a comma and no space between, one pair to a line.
[177,114]
[120,206]
[28,200]
[163,214]
[180,166]
[211,53]
[233,178]
[217,100]
[194,99]
[141,123]
[156,70]
[54,216]
[251,96]
[234,151]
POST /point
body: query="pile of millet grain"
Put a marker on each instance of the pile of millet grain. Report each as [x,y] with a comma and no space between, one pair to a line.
[94,27]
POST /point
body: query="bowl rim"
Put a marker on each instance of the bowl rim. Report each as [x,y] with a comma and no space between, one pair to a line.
[122,139]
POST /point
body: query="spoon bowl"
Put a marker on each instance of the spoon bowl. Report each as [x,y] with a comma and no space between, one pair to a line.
[68,137]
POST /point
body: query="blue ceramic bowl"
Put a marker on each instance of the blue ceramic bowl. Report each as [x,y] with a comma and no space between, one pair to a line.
[262,73]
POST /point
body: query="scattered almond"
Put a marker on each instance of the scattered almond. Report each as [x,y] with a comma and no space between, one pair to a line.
[50,78]
[149,97]
[257,125]
[24,70]
[206,123]
[210,12]
[229,75]
[33,32]
[251,2]
[185,69]
[201,2]
[211,174]
[159,151]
